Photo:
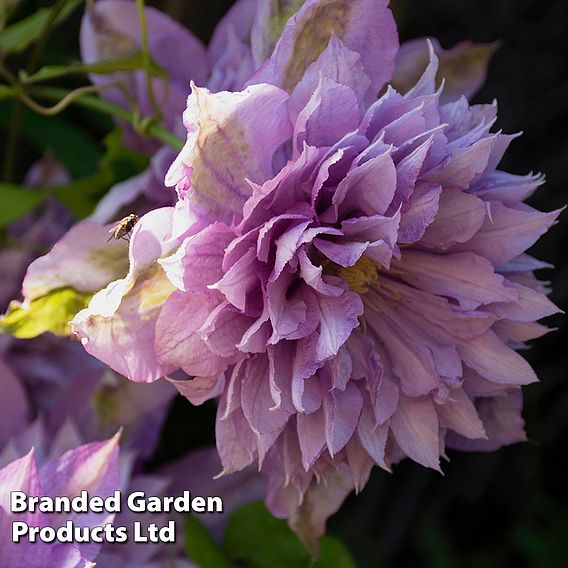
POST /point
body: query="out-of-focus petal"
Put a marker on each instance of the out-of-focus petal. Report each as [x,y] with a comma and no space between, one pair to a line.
[463,67]
[364,26]
[83,259]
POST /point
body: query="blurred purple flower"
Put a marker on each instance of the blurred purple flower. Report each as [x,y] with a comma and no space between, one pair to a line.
[229,50]
[463,68]
[52,381]
[194,472]
[111,29]
[49,382]
[92,467]
[33,234]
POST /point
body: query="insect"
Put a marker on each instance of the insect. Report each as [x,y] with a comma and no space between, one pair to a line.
[123,228]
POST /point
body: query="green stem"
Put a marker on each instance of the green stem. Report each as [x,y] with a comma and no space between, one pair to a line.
[146,58]
[18,109]
[44,35]
[12,142]
[99,105]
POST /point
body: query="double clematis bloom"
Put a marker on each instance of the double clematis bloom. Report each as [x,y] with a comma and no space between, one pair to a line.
[346,272]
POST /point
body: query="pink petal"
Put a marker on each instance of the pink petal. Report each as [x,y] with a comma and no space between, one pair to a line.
[83,259]
[508,233]
[459,217]
[466,277]
[459,415]
[242,131]
[491,358]
[415,428]
[365,26]
[200,389]
[198,261]
[177,343]
[341,412]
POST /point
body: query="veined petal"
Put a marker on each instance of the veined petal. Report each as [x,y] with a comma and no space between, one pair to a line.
[93,467]
[177,343]
[83,259]
[256,399]
[508,232]
[341,412]
[491,358]
[118,326]
[466,277]
[197,263]
[232,138]
[415,428]
[458,414]
[365,26]
[459,217]
[20,475]
[337,63]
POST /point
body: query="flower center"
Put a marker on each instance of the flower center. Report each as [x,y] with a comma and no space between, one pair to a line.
[359,277]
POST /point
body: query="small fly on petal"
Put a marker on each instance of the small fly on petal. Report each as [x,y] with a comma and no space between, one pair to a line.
[124,227]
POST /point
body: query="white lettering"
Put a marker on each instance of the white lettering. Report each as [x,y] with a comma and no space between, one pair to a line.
[19,528]
[18,501]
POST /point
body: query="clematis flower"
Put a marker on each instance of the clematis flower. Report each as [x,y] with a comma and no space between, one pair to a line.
[92,467]
[361,305]
[346,272]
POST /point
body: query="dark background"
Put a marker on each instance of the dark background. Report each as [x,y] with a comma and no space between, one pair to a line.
[508,508]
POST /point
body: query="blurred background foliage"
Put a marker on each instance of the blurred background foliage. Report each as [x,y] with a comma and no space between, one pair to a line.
[509,508]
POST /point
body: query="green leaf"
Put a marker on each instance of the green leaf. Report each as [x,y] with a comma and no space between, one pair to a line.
[333,554]
[545,545]
[117,164]
[256,539]
[434,547]
[201,548]
[133,62]
[51,312]
[7,92]
[7,8]
[20,35]
[72,146]
[81,196]
[96,172]
[17,201]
